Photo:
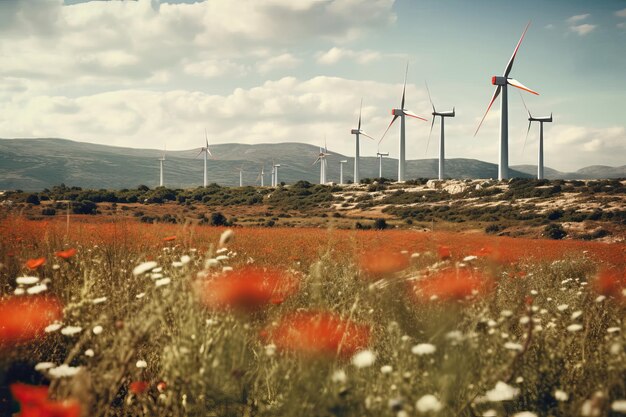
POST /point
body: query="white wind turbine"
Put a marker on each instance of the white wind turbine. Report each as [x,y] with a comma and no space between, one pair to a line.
[501,83]
[341,170]
[261,176]
[275,168]
[443,115]
[161,163]
[357,154]
[380,155]
[240,176]
[207,152]
[541,120]
[401,113]
[321,158]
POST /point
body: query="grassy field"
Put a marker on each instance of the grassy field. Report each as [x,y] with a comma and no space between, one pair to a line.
[127,318]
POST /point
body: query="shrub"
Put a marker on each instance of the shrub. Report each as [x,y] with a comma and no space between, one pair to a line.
[33,199]
[218,219]
[554,231]
[380,224]
[494,228]
[48,211]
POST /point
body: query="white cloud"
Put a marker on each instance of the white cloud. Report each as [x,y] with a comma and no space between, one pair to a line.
[578,18]
[549,26]
[335,54]
[283,61]
[287,109]
[210,68]
[621,25]
[127,42]
[621,13]
[583,29]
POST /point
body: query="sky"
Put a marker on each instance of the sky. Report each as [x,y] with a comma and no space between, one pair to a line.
[150,74]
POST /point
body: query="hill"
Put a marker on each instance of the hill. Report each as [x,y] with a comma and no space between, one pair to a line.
[34,164]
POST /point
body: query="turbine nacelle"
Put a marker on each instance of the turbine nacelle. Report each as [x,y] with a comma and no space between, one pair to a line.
[445,113]
[547,119]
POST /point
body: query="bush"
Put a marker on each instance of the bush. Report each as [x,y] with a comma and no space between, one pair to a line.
[380,224]
[494,228]
[33,199]
[48,211]
[84,207]
[218,219]
[554,231]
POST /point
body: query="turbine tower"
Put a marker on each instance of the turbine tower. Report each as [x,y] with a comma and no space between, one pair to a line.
[541,120]
[276,166]
[240,176]
[341,171]
[261,175]
[161,163]
[443,115]
[401,113]
[501,83]
[207,152]
[357,154]
[380,163]
[321,158]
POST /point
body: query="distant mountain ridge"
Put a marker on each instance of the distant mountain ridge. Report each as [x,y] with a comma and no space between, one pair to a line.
[34,164]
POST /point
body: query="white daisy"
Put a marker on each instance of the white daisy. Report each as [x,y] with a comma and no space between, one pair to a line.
[428,403]
[363,359]
[71,330]
[36,289]
[144,267]
[574,327]
[423,349]
[97,329]
[26,280]
[64,370]
[163,281]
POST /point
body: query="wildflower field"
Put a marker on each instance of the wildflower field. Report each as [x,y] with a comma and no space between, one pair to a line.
[120,318]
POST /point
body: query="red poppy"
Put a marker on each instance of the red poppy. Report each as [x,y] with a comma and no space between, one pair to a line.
[610,282]
[138,387]
[169,238]
[450,284]
[248,288]
[377,264]
[35,263]
[66,254]
[25,318]
[318,333]
[34,402]
[444,252]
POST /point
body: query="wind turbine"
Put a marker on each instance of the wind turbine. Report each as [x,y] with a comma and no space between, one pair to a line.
[501,83]
[161,162]
[357,154]
[241,176]
[541,121]
[341,171]
[275,166]
[401,113]
[261,175]
[380,155]
[207,152]
[321,158]
[442,114]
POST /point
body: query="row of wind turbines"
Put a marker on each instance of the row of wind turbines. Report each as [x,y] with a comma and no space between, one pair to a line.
[500,82]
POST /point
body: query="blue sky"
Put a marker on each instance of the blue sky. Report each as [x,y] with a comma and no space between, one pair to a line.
[143,74]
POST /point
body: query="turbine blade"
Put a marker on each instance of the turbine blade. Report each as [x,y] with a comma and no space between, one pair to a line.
[517,84]
[366,135]
[509,66]
[360,108]
[316,161]
[493,98]
[524,147]
[386,130]
[525,106]
[411,114]
[430,98]
[201,150]
[206,138]
[406,72]
[431,131]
